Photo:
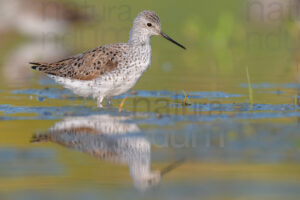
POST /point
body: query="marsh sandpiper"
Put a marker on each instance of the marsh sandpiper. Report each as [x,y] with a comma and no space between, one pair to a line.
[108,70]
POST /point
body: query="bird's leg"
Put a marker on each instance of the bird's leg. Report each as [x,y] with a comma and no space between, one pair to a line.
[109,101]
[99,102]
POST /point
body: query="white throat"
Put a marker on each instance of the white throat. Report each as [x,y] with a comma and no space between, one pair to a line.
[139,37]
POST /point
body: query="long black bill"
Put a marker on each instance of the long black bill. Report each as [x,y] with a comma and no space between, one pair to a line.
[170,39]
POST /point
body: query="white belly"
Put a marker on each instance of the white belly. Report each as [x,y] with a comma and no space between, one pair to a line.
[121,82]
[111,85]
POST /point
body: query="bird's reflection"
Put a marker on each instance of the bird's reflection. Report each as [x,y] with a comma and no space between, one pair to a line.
[110,138]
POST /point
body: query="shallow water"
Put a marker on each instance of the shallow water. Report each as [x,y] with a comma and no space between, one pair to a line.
[62,146]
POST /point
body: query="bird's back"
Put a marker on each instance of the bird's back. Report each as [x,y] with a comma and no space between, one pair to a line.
[86,66]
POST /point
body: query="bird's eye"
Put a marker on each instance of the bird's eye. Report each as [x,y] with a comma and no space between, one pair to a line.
[149,24]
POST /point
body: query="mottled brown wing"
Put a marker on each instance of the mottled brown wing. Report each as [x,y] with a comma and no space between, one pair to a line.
[86,66]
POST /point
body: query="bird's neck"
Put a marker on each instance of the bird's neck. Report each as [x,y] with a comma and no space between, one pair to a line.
[138,38]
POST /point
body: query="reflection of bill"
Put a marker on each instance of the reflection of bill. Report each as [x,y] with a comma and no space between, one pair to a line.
[109,138]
